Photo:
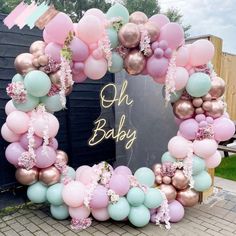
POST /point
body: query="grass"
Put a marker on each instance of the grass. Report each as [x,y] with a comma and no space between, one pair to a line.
[227,168]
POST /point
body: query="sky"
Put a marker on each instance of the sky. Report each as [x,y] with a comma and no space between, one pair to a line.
[216,17]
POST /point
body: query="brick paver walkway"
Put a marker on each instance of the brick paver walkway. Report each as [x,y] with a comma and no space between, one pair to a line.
[204,219]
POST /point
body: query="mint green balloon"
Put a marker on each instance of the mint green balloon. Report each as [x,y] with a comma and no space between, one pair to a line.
[135,196]
[145,176]
[17,78]
[37,192]
[202,181]
[54,194]
[70,173]
[117,63]
[29,105]
[153,198]
[52,103]
[166,157]
[37,83]
[199,84]
[198,165]
[120,210]
[118,10]
[113,37]
[139,216]
[59,212]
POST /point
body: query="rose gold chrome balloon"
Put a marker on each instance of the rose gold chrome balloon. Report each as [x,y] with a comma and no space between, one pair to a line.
[27,177]
[217,87]
[197,102]
[135,62]
[217,109]
[207,106]
[158,179]
[179,180]
[138,18]
[153,31]
[169,191]
[61,157]
[36,62]
[166,180]
[55,78]
[37,46]
[43,60]
[207,97]
[199,110]
[24,63]
[156,168]
[183,109]
[129,35]
[50,175]
[188,197]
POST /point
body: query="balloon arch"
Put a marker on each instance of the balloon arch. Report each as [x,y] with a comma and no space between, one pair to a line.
[112,42]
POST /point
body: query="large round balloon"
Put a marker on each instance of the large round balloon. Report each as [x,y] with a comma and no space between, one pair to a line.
[24,63]
[145,176]
[59,212]
[135,196]
[188,197]
[30,103]
[37,192]
[27,177]
[139,216]
[54,194]
[153,198]
[118,11]
[202,181]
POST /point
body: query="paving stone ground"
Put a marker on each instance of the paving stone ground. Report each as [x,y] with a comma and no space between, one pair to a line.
[214,219]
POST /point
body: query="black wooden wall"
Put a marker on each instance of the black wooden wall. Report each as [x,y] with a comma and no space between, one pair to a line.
[76,123]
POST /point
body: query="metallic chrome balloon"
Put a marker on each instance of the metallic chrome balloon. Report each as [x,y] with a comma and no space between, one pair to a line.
[197,102]
[183,109]
[24,63]
[158,179]
[207,106]
[217,109]
[188,197]
[166,180]
[43,60]
[61,157]
[129,35]
[207,97]
[135,62]
[153,31]
[179,180]
[27,177]
[217,87]
[138,18]
[37,46]
[157,168]
[50,175]
[169,191]
[199,110]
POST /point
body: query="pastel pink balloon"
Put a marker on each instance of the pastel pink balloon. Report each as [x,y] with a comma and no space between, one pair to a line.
[75,25]
[54,51]
[93,46]
[224,129]
[18,122]
[119,184]
[86,176]
[45,157]
[176,211]
[96,12]
[161,80]
[47,39]
[160,20]
[59,27]
[201,52]
[123,170]
[13,152]
[181,78]
[53,143]
[79,78]
[167,32]
[157,67]
[188,129]
[8,135]
[79,213]
[100,198]
[78,67]
[73,194]
[9,107]
[46,121]
[95,69]
[80,170]
[100,214]
[177,120]
[24,141]
[182,56]
[97,54]
[205,148]
[214,160]
[80,50]
[90,29]
[178,147]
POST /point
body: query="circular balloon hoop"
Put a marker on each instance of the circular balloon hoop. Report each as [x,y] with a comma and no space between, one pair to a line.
[97,44]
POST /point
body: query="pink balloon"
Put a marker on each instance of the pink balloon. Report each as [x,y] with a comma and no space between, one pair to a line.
[54,51]
[160,20]
[13,152]
[78,67]
[100,198]
[45,157]
[201,52]
[95,69]
[59,27]
[205,148]
[80,170]
[79,78]
[153,218]
[79,213]
[96,12]
[73,194]
[123,170]
[182,57]
[90,29]
[214,160]
[46,121]
[224,129]
[9,107]
[93,46]
[161,80]
[8,135]
[177,120]
[18,122]
[80,50]
[24,141]
[97,54]
[176,211]
[167,33]
[181,78]
[47,39]
[75,25]
[188,129]
[157,67]
[100,214]
[86,176]
[119,184]
[178,147]
[53,143]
